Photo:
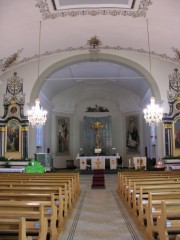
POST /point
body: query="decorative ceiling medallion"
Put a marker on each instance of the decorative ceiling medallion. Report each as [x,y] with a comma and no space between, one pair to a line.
[49,11]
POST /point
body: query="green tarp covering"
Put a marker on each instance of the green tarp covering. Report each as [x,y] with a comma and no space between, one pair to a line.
[34,167]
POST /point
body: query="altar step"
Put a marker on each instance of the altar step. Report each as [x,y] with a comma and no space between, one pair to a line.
[98,180]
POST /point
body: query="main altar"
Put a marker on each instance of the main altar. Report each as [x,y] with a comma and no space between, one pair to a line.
[97,162]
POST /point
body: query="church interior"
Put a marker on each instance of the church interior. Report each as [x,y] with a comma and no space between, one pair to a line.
[90,110]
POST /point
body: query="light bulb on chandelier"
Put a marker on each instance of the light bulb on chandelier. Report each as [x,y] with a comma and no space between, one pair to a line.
[153,113]
[37,116]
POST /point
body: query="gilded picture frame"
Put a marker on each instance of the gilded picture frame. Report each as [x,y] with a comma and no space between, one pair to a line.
[62,137]
[132,134]
[177,134]
[13,139]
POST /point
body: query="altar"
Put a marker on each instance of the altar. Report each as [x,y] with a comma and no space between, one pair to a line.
[97,162]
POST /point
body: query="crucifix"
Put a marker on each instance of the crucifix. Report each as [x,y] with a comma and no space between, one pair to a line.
[97,126]
[98,163]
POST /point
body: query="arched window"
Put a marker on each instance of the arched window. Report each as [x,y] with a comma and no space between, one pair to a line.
[39,136]
[153,134]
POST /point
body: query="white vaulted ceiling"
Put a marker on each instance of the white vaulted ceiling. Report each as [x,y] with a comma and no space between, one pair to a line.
[97,73]
[69,24]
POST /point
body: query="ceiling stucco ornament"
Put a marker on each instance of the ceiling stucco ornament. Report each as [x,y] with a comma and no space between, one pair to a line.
[14,90]
[82,48]
[174,81]
[94,42]
[8,62]
[44,6]
[177,52]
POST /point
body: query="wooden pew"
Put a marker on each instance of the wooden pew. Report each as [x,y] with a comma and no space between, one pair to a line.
[43,190]
[18,224]
[72,188]
[29,196]
[124,176]
[73,175]
[142,184]
[61,197]
[27,183]
[66,189]
[71,180]
[129,183]
[34,213]
[140,191]
[148,194]
[36,195]
[168,223]
[63,184]
[134,192]
[152,212]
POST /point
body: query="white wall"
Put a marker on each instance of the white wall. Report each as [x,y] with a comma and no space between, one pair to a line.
[76,121]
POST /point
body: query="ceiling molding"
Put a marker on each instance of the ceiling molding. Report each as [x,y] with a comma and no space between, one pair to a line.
[70,49]
[48,12]
[79,4]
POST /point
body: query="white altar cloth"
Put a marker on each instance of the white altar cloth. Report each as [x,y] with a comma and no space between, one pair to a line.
[97,162]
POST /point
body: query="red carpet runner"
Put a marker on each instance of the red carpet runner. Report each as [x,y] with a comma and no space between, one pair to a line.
[98,179]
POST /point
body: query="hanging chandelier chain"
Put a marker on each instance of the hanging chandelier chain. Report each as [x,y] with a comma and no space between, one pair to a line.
[37,116]
[152,113]
[39,53]
[149,47]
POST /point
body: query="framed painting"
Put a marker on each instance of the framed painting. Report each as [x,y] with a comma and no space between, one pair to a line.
[13,136]
[132,134]
[177,134]
[140,162]
[63,130]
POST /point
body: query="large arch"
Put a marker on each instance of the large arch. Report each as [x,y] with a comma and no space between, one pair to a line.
[94,56]
[100,56]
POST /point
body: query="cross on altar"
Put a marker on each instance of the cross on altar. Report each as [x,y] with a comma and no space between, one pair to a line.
[98,163]
[97,126]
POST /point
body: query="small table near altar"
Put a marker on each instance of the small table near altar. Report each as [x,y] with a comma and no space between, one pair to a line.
[97,162]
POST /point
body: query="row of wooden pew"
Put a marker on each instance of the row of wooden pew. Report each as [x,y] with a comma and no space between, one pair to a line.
[36,206]
[154,199]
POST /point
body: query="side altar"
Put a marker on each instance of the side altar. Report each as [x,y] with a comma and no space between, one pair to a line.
[14,125]
[97,162]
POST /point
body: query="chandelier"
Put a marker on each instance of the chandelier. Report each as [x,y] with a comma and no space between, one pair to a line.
[37,116]
[153,113]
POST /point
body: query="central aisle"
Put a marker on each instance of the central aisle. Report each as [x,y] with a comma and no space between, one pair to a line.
[99,214]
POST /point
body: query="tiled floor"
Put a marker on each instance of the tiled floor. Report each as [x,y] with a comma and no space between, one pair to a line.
[99,214]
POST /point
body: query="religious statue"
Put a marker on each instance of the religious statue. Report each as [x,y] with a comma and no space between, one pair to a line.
[97,126]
